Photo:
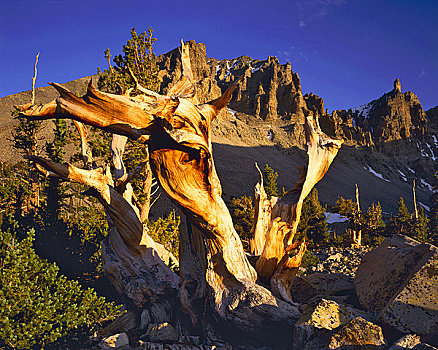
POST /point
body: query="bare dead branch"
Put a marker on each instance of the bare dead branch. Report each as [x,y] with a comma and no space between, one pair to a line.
[34,79]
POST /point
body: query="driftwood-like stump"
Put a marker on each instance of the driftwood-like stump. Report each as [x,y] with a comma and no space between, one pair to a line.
[218,287]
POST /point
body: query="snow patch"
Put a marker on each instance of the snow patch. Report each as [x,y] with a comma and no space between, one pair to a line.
[228,70]
[424,206]
[380,176]
[270,135]
[431,151]
[232,111]
[434,139]
[353,121]
[412,171]
[426,184]
[423,153]
[334,217]
[403,176]
[364,110]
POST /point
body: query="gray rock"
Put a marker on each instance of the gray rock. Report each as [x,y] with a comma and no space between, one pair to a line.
[313,329]
[335,257]
[162,333]
[407,342]
[145,319]
[121,324]
[388,268]
[414,309]
[423,346]
[306,287]
[358,333]
[116,341]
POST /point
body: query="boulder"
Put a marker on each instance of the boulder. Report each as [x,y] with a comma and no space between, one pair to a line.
[145,319]
[116,341]
[162,333]
[424,346]
[306,287]
[414,309]
[358,334]
[407,342]
[387,269]
[400,280]
[121,324]
[177,346]
[313,329]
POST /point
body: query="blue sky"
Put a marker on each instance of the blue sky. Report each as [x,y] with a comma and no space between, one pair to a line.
[346,51]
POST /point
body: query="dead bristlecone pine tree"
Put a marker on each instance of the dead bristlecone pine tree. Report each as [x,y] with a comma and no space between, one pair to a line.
[217,294]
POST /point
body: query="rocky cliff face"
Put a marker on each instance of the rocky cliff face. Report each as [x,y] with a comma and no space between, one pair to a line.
[392,117]
[269,94]
[391,136]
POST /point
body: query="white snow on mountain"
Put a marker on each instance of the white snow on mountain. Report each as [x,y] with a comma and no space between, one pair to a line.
[380,176]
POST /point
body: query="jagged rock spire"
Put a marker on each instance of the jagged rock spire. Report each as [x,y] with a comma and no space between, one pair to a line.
[397,85]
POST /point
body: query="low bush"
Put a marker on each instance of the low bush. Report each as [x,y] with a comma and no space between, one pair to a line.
[38,306]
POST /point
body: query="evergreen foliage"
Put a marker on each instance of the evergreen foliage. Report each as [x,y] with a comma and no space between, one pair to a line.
[344,207]
[54,190]
[166,231]
[407,224]
[309,259]
[313,225]
[25,136]
[137,56]
[421,227]
[242,212]
[25,140]
[37,305]
[373,226]
[270,183]
[433,214]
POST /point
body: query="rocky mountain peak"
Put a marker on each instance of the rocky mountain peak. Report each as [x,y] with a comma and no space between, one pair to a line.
[392,134]
[397,85]
[392,117]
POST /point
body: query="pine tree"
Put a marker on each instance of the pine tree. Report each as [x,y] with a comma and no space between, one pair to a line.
[313,223]
[402,223]
[373,224]
[138,59]
[420,226]
[344,207]
[138,56]
[433,214]
[25,140]
[270,183]
[242,212]
[55,151]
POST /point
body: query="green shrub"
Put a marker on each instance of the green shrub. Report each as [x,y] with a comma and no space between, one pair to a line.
[38,306]
[242,212]
[270,184]
[309,259]
[313,225]
[166,231]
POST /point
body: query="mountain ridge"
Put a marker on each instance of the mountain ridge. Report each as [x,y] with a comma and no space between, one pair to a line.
[265,122]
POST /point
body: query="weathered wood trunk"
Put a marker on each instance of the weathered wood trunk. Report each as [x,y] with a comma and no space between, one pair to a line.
[218,285]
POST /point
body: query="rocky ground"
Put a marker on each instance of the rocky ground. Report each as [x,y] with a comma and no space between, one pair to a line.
[337,260]
[355,298]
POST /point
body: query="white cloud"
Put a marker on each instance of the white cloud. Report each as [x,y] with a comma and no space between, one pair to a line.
[422,74]
[301,24]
